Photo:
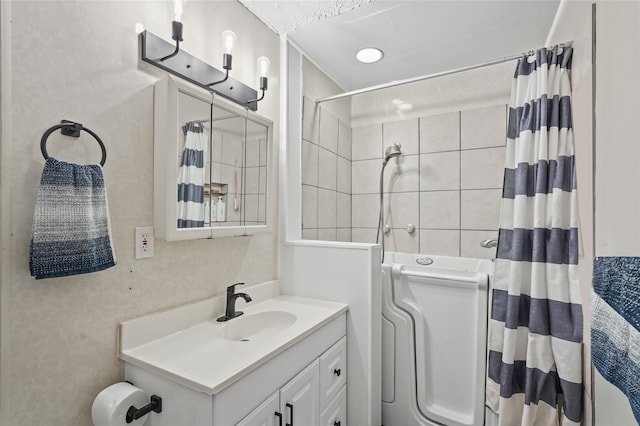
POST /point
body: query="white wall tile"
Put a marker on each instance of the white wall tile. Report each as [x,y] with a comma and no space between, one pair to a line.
[400,240]
[310,120]
[401,209]
[480,209]
[310,234]
[252,182]
[401,174]
[328,137]
[403,132]
[470,244]
[262,188]
[327,234]
[343,210]
[327,169]
[309,163]
[363,235]
[482,168]
[343,234]
[365,176]
[344,140]
[440,171]
[309,207]
[440,210]
[262,208]
[366,142]
[252,152]
[365,210]
[250,209]
[439,242]
[344,175]
[483,127]
[440,133]
[327,209]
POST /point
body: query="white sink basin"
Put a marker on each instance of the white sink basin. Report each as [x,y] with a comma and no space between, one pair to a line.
[187,345]
[248,327]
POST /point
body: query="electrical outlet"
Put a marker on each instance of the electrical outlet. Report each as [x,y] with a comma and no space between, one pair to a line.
[144,242]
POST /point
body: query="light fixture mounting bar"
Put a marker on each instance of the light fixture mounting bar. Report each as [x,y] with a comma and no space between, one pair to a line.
[195,70]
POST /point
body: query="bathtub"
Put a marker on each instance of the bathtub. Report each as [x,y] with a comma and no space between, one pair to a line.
[434,326]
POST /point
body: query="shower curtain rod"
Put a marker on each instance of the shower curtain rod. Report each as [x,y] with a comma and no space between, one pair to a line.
[429,76]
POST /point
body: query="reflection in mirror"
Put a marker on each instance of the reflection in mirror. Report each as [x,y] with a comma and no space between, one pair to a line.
[210,165]
[255,190]
[223,189]
[193,142]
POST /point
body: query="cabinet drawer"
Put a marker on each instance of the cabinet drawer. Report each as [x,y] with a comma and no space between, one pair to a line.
[336,412]
[333,371]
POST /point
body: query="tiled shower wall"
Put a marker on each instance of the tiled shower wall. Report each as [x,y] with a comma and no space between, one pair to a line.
[326,175]
[447,183]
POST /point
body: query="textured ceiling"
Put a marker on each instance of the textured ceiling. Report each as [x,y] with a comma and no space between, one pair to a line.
[285,16]
[418,37]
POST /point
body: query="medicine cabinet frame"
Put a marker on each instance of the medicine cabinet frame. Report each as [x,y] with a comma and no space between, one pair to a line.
[167,150]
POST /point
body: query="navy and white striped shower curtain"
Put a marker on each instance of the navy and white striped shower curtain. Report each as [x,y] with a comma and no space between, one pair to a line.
[191,177]
[535,329]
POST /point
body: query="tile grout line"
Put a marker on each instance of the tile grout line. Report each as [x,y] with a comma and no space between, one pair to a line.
[460,183]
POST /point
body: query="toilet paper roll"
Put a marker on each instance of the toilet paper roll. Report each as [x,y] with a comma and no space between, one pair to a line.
[112,403]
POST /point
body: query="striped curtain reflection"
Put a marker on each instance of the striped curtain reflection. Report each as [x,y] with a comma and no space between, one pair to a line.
[191,177]
[535,329]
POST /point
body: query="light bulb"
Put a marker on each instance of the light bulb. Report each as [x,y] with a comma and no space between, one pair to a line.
[177,8]
[229,39]
[263,65]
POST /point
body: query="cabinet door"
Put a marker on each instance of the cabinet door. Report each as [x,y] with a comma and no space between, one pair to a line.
[336,412]
[265,414]
[300,398]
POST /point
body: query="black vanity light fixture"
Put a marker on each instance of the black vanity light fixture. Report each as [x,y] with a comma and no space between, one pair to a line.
[155,51]
[229,40]
[177,9]
[263,65]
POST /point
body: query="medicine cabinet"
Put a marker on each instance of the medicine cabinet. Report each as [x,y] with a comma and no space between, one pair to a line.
[212,165]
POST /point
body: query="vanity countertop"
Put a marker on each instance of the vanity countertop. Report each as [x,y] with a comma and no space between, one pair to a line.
[203,355]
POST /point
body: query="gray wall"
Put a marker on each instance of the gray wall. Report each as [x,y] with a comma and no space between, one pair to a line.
[79,60]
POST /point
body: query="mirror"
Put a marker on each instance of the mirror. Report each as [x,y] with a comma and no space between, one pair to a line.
[211,165]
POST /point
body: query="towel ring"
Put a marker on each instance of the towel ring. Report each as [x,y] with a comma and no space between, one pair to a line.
[70,128]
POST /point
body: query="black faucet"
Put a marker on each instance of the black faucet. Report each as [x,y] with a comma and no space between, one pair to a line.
[230,312]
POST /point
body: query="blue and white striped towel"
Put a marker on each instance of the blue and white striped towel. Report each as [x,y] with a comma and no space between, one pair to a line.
[71,232]
[615,324]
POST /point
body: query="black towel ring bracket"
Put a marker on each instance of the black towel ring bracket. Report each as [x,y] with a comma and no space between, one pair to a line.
[70,128]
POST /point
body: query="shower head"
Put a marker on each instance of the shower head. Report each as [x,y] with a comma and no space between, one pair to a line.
[392,151]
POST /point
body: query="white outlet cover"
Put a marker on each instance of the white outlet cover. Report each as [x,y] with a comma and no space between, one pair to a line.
[144,242]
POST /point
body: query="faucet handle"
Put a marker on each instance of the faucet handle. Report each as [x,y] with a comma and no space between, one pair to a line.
[233,286]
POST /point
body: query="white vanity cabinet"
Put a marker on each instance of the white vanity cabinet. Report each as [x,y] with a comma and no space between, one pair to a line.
[297,402]
[316,396]
[200,386]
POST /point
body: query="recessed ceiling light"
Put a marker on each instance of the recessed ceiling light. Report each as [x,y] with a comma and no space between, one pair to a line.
[369,55]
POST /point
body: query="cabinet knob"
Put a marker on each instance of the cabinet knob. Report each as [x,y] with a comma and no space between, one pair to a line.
[336,423]
[337,372]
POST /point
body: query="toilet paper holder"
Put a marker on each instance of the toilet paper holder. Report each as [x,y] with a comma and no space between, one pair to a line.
[155,405]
